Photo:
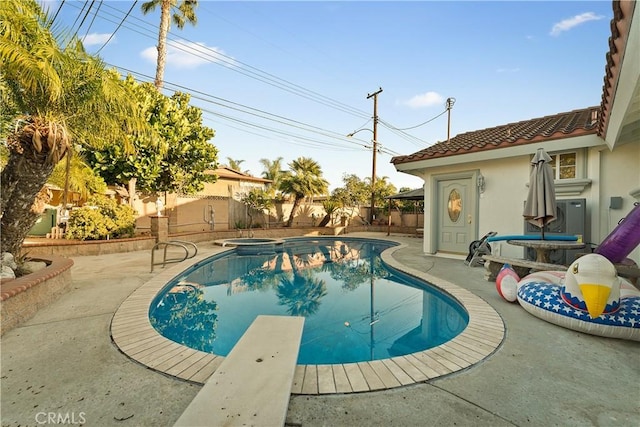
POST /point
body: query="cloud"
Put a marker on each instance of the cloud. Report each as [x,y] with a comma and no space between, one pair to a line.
[425,100]
[507,70]
[569,23]
[184,54]
[95,38]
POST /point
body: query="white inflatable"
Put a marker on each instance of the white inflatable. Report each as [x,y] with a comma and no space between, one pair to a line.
[589,297]
[507,283]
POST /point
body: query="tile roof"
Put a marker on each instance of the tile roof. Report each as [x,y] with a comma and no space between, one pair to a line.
[620,26]
[228,173]
[572,123]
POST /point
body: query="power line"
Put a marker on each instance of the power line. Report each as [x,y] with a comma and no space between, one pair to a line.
[84,17]
[417,126]
[118,27]
[212,99]
[217,57]
[243,68]
[315,143]
[57,11]
[92,20]
[79,14]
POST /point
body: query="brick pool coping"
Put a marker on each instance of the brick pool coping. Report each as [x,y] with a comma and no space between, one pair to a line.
[133,334]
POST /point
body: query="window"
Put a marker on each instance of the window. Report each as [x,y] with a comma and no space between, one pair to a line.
[454,205]
[569,170]
[564,165]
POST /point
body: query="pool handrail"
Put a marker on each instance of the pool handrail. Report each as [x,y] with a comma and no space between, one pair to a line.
[186,245]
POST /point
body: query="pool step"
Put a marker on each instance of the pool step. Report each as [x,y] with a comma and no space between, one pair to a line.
[253,384]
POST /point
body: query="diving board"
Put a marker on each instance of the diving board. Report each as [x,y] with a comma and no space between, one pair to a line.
[252,386]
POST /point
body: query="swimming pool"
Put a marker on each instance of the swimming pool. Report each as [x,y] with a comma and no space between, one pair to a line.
[356,308]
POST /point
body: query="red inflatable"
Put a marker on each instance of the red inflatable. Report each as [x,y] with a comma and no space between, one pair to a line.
[506,283]
[623,239]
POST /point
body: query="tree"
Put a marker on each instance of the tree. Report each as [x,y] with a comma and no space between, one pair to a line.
[81,178]
[256,200]
[235,165]
[352,195]
[381,189]
[273,171]
[62,96]
[330,206]
[185,12]
[178,160]
[304,179]
[406,206]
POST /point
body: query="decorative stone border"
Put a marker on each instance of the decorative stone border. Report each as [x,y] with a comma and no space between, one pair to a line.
[22,297]
[132,332]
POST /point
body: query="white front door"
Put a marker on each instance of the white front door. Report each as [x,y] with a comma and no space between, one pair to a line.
[456,215]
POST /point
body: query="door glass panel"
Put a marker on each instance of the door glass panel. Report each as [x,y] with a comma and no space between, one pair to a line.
[454,205]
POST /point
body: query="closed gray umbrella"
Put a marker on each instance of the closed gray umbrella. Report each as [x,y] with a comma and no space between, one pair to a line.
[540,207]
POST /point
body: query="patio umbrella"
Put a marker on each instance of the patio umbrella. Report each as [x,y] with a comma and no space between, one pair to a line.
[540,207]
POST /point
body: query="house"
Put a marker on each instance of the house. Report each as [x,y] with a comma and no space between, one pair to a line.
[216,207]
[477,181]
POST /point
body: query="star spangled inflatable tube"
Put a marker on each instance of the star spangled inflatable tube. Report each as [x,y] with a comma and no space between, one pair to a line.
[623,239]
[589,298]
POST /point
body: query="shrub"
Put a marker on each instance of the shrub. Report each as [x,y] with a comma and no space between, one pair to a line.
[103,218]
[88,223]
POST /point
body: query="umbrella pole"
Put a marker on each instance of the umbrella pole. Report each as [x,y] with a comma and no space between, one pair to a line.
[543,231]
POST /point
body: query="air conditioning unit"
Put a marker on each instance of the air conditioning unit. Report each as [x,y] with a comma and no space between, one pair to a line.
[571,220]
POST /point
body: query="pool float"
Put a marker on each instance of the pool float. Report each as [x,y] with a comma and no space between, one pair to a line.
[507,283]
[623,239]
[561,238]
[589,297]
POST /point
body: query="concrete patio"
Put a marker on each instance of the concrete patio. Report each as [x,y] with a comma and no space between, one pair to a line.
[62,366]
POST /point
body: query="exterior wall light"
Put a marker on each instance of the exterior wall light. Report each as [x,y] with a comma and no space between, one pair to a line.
[481,183]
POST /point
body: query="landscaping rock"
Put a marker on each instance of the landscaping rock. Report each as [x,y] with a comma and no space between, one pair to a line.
[7,273]
[32,266]
[8,260]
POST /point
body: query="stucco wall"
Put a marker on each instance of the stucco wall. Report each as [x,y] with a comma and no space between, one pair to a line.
[502,203]
[602,174]
[620,176]
[499,207]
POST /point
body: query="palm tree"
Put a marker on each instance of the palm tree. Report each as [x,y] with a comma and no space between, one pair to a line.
[256,200]
[62,96]
[235,165]
[381,189]
[186,12]
[304,179]
[272,171]
[78,177]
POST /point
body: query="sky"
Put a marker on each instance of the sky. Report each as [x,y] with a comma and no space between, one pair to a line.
[292,79]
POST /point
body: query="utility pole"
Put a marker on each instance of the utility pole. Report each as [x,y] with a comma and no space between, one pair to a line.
[374,95]
[450,102]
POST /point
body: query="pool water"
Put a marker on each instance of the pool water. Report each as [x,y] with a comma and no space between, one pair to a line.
[356,309]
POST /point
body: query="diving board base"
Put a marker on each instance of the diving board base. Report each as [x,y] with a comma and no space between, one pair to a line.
[252,386]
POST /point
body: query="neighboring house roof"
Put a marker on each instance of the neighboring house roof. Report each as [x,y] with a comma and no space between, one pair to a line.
[562,125]
[417,194]
[230,174]
[620,31]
